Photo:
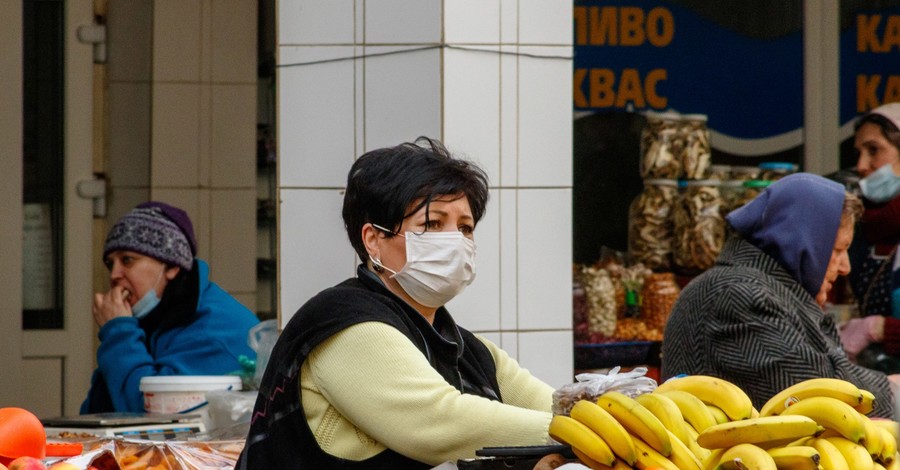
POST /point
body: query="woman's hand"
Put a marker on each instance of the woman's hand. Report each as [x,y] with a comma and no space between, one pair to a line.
[858,333]
[111,305]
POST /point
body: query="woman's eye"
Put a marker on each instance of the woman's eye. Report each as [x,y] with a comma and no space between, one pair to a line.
[467,229]
[433,224]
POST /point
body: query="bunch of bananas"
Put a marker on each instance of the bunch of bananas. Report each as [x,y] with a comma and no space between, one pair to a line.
[704,423]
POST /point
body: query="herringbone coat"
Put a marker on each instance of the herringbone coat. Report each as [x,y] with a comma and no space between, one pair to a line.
[748,321]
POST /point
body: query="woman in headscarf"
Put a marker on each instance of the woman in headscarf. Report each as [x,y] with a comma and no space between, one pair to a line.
[756,318]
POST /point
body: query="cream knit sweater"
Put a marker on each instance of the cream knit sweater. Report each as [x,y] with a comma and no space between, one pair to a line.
[368,388]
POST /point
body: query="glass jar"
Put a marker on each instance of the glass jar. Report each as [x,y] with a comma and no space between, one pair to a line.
[650,224]
[660,147]
[695,150]
[744,173]
[699,227]
[773,171]
[658,296]
[732,192]
[752,188]
[720,172]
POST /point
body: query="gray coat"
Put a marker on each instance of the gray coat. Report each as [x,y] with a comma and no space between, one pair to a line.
[748,321]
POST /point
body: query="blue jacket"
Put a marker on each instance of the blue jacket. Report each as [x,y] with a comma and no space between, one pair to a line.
[207,343]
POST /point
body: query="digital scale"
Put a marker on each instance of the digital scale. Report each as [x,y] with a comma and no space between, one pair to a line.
[146,426]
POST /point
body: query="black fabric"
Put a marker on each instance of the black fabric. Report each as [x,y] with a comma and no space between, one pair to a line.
[279,436]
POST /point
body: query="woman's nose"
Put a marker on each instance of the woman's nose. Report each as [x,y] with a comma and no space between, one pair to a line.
[862,165]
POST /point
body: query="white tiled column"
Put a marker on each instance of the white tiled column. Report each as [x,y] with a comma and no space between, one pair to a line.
[449,69]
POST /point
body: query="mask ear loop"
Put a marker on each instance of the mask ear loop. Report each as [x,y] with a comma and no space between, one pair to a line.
[376,264]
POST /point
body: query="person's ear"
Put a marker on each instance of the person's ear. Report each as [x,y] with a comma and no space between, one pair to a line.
[370,238]
[172,271]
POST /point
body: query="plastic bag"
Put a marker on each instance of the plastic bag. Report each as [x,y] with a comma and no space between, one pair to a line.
[261,339]
[590,386]
[228,407]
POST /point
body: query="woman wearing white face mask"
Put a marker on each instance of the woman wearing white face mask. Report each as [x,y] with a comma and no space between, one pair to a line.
[374,372]
[875,275]
[162,315]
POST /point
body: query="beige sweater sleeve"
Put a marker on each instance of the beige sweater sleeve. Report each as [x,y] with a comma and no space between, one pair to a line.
[378,380]
[517,386]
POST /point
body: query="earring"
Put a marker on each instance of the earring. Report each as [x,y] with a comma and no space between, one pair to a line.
[376,264]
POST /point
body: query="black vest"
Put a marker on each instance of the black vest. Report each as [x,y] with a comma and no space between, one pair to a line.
[279,434]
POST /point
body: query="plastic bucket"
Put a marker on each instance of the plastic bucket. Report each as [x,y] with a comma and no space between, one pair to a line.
[184,393]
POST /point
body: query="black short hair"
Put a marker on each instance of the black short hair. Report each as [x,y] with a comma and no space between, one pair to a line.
[383,183]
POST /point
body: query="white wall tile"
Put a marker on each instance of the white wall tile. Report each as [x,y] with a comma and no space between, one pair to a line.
[509,341]
[545,22]
[234,40]
[509,21]
[403,95]
[493,337]
[315,252]
[545,258]
[233,239]
[478,307]
[129,134]
[359,103]
[472,82]
[233,154]
[176,42]
[316,116]
[403,21]
[175,143]
[472,21]
[129,33]
[315,22]
[509,116]
[548,355]
[506,206]
[122,200]
[545,117]
[359,21]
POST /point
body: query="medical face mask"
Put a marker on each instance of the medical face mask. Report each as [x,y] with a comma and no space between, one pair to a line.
[880,186]
[439,265]
[149,301]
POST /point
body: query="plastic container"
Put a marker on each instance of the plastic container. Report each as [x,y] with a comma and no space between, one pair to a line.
[699,227]
[776,170]
[694,150]
[650,224]
[661,146]
[184,393]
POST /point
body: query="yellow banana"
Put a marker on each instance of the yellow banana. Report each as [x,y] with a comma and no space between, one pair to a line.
[718,414]
[890,426]
[842,390]
[873,441]
[829,455]
[713,391]
[594,465]
[889,447]
[750,456]
[855,454]
[754,413]
[877,466]
[605,425]
[795,457]
[832,414]
[667,412]
[692,408]
[868,402]
[637,420]
[758,431]
[682,456]
[648,457]
[894,464]
[711,461]
[698,450]
[578,436]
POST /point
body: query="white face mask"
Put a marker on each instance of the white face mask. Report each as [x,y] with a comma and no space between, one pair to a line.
[439,265]
[880,186]
[149,301]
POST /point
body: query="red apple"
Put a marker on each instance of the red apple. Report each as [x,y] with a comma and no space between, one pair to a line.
[27,463]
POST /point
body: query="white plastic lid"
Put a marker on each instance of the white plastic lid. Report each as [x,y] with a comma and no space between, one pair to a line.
[695,117]
[190,383]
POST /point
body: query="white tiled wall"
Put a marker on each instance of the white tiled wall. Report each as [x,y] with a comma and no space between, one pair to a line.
[450,69]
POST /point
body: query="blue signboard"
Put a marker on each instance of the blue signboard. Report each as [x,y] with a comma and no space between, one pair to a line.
[654,55]
[870,61]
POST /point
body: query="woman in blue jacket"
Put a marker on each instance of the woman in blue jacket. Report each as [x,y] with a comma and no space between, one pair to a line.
[162,315]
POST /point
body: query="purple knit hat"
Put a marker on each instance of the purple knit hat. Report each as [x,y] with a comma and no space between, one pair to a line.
[157,230]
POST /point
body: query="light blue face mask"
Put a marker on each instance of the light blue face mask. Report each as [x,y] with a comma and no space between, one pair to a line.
[881,186]
[149,301]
